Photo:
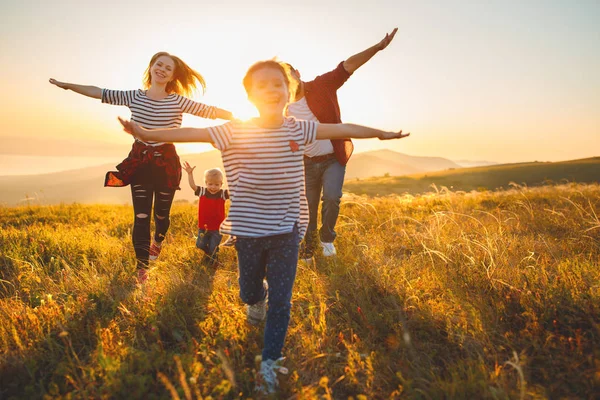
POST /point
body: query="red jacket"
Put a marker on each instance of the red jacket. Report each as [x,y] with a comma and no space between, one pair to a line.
[321,97]
[142,154]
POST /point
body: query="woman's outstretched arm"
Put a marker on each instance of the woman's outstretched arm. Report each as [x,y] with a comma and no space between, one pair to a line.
[89,91]
[166,135]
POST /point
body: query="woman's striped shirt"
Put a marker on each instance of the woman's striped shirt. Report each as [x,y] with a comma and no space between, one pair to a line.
[265,174]
[157,114]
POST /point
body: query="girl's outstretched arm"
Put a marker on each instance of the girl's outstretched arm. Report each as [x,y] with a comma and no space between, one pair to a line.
[89,91]
[166,135]
[351,131]
[224,114]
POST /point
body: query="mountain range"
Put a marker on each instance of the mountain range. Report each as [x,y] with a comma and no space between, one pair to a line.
[86,185]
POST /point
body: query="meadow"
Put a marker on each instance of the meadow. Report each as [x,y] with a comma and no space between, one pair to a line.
[479,295]
[586,170]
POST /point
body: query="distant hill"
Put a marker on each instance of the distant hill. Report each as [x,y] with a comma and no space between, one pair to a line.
[381,162]
[482,178]
[477,163]
[86,185]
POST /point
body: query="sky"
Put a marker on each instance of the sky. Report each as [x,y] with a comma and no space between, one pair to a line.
[503,81]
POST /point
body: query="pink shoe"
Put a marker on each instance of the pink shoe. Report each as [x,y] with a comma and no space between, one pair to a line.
[155,250]
[142,275]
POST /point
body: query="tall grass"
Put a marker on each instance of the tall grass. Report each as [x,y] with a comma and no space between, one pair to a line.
[492,295]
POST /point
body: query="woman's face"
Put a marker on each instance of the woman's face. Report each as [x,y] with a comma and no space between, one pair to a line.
[269,91]
[162,70]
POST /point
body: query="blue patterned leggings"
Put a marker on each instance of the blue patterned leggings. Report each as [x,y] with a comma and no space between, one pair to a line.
[274,258]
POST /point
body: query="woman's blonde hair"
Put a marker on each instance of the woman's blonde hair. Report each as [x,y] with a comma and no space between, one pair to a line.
[185,79]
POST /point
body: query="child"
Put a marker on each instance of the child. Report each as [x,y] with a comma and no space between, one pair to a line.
[263,161]
[211,210]
[152,168]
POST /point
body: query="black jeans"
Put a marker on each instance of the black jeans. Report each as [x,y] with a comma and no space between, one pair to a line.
[143,194]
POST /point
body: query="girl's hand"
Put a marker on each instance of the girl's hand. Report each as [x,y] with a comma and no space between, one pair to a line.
[393,135]
[60,84]
[131,127]
[189,169]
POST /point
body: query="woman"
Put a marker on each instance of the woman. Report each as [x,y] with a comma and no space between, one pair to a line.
[152,168]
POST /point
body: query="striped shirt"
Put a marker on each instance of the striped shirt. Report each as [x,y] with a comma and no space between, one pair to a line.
[265,174]
[157,114]
[300,110]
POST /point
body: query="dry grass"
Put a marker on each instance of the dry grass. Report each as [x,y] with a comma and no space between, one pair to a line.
[449,295]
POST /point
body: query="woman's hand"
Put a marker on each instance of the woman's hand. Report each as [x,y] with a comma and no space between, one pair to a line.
[62,85]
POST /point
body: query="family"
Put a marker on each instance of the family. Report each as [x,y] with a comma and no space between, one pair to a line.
[278,166]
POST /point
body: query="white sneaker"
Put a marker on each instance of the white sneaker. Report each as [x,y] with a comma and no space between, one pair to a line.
[267,382]
[328,249]
[256,313]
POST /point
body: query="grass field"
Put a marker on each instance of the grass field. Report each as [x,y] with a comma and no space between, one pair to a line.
[482,295]
[481,178]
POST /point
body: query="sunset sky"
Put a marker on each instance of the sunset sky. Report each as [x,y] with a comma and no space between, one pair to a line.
[503,81]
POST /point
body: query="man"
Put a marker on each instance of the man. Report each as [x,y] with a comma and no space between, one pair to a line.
[325,160]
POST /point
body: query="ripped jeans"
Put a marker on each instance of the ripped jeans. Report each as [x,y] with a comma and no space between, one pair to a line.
[143,195]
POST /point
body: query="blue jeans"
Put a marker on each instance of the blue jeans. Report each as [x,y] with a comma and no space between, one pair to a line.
[208,241]
[328,177]
[275,258]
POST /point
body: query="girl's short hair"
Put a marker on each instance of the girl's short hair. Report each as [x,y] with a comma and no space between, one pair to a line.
[213,173]
[185,79]
[283,68]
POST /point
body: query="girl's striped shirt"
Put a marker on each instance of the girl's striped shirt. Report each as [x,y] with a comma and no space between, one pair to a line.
[157,114]
[265,175]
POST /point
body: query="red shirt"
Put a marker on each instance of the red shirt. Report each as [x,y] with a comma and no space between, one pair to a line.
[211,208]
[321,97]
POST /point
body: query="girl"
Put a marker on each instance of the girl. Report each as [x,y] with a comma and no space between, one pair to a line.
[152,167]
[263,161]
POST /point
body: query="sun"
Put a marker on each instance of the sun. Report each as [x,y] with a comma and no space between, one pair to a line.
[242,109]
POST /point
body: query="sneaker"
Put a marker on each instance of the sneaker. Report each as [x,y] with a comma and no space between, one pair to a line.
[266,382]
[328,249]
[256,313]
[155,250]
[230,242]
[142,275]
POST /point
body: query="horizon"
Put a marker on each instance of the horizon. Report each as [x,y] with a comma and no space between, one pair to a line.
[500,82]
[57,163]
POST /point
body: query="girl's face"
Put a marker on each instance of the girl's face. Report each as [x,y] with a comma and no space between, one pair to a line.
[162,70]
[269,91]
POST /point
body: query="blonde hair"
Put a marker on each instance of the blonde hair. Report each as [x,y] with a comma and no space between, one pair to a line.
[185,79]
[214,172]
